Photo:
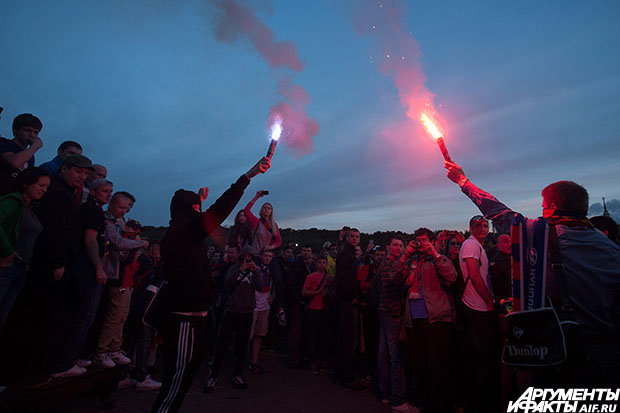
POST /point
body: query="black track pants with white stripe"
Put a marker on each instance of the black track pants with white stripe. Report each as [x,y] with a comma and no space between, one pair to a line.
[184,348]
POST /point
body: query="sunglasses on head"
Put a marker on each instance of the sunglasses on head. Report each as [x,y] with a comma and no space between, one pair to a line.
[477,220]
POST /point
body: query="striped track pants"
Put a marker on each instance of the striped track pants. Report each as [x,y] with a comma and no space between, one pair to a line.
[184,348]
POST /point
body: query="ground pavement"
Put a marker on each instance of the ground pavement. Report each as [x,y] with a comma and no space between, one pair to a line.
[281,390]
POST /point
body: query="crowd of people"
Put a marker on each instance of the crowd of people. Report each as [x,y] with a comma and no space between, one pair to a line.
[72,272]
[419,319]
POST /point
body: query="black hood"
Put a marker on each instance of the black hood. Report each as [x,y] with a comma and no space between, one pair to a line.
[181,206]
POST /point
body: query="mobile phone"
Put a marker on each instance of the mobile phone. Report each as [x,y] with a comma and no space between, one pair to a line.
[265,192]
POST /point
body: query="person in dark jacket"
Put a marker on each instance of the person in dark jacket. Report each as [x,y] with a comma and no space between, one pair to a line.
[44,307]
[300,269]
[88,277]
[190,287]
[242,280]
[500,269]
[347,291]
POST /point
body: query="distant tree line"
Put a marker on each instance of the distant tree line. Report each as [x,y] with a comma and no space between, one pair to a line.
[296,237]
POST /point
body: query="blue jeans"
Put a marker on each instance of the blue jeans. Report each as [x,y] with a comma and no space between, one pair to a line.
[12,280]
[391,366]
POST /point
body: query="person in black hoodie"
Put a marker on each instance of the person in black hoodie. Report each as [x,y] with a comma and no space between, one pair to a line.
[190,289]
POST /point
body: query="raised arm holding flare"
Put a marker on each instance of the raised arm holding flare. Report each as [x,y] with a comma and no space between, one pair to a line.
[590,284]
[190,288]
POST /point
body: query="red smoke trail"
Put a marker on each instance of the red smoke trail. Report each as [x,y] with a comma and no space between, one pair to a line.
[401,55]
[237,21]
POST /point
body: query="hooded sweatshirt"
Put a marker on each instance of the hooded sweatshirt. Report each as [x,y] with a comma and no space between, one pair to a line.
[242,286]
[184,251]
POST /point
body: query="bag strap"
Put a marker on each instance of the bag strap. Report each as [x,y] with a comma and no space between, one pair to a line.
[479,263]
[554,252]
[266,225]
[558,270]
[237,283]
[322,279]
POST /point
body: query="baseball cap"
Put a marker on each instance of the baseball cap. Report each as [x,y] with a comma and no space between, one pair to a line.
[134,224]
[79,161]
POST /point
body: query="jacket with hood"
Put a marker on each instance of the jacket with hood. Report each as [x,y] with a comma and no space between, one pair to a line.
[184,250]
[241,286]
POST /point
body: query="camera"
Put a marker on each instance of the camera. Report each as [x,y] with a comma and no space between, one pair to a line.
[417,245]
[265,192]
[247,261]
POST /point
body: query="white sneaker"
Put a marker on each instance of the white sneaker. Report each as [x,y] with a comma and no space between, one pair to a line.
[83,363]
[104,360]
[119,357]
[405,408]
[148,384]
[123,384]
[72,372]
[210,386]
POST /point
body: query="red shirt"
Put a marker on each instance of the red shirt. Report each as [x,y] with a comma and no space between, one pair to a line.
[312,283]
[130,271]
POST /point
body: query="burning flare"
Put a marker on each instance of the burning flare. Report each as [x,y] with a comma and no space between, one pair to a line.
[276,131]
[276,128]
[434,131]
[430,126]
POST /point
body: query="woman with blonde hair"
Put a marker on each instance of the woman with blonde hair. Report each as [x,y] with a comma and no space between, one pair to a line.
[266,237]
[265,232]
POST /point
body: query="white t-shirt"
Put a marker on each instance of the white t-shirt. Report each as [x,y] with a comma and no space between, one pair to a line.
[471,248]
[262,300]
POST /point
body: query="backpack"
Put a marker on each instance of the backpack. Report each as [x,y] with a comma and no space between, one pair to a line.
[537,335]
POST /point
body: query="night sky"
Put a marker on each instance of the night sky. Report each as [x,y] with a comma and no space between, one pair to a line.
[527,92]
